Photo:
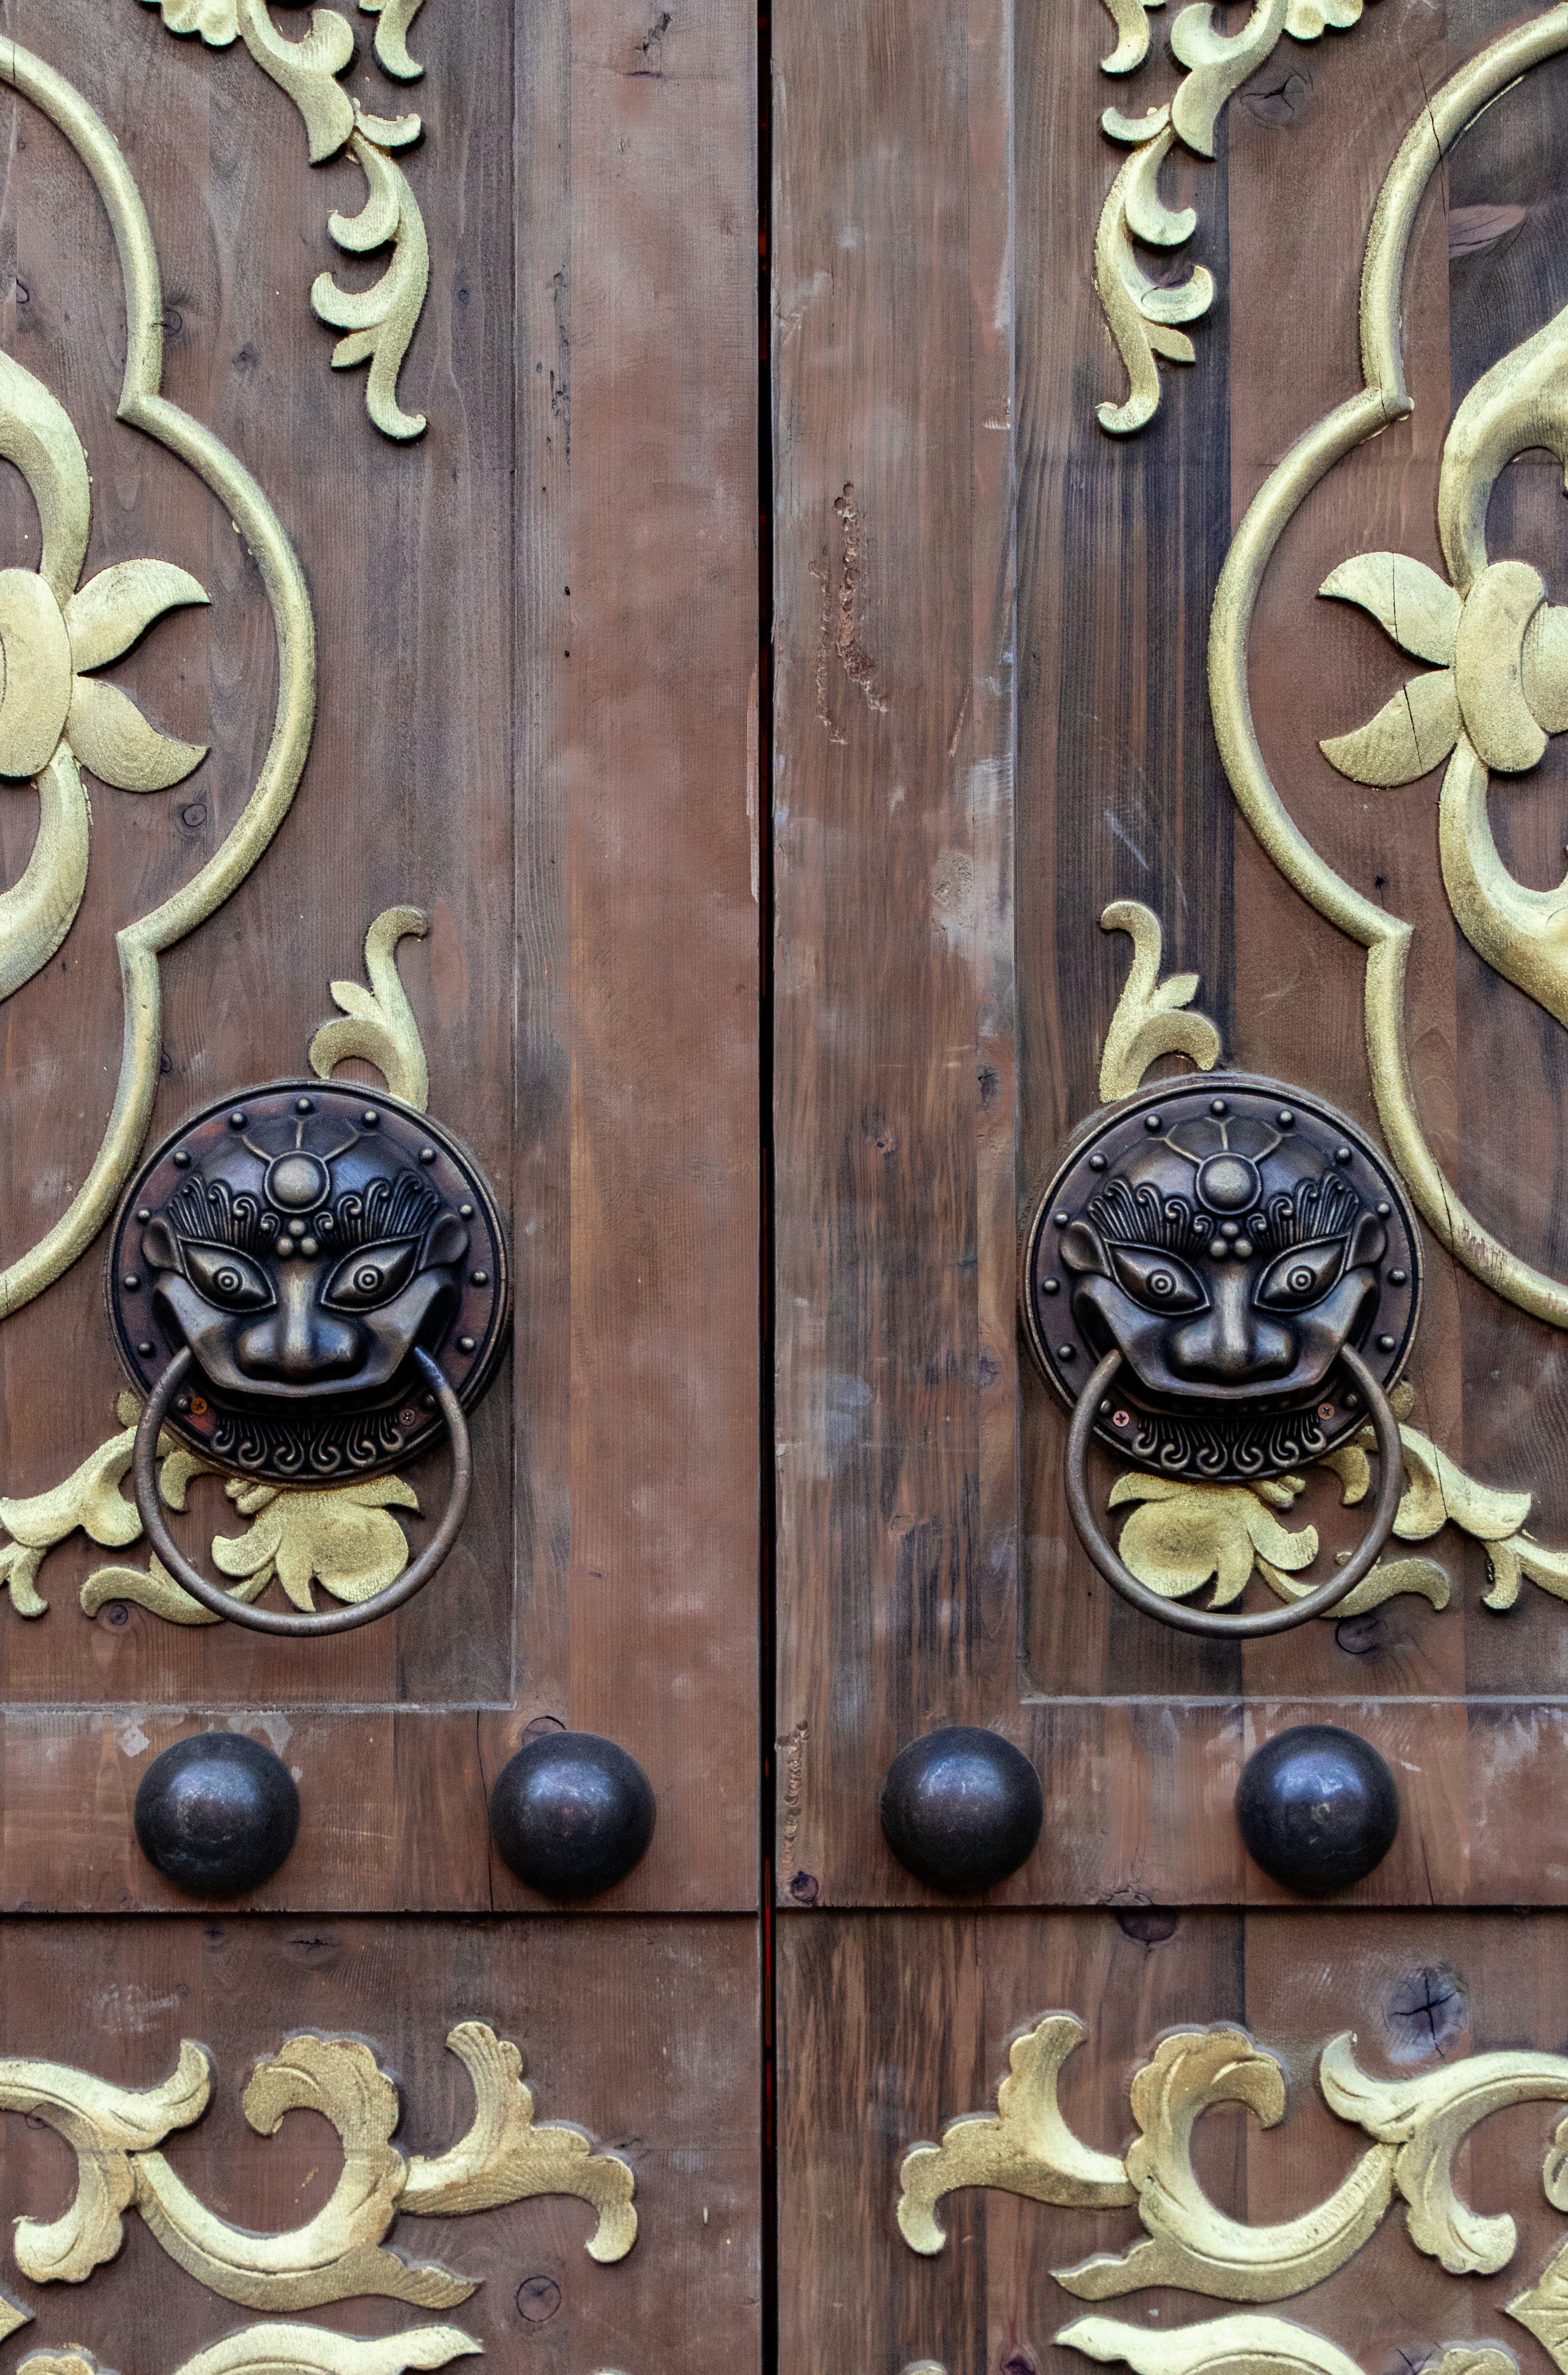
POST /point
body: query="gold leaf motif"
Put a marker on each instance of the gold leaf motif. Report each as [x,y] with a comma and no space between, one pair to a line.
[1131,21]
[1217,63]
[1411,603]
[341,1538]
[1027,2148]
[380,320]
[1438,1494]
[1411,734]
[336,2254]
[380,1027]
[1428,2118]
[1248,2346]
[392,35]
[218,21]
[291,2350]
[1185,1534]
[1543,2308]
[1148,1022]
[103,2125]
[1140,313]
[505,2156]
[1191,2243]
[154,1588]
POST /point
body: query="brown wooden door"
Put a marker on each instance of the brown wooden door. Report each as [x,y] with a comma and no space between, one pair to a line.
[1106,339]
[468,628]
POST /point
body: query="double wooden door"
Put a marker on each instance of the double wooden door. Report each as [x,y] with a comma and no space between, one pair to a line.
[753,820]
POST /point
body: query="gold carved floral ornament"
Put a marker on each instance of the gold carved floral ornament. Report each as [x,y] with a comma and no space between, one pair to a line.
[56,634]
[340,2253]
[56,713]
[1499,684]
[344,1537]
[1180,1536]
[379,321]
[1416,2126]
[1142,314]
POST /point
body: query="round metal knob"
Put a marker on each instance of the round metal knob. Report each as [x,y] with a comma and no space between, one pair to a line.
[571,1814]
[1318,1808]
[961,1809]
[217,1815]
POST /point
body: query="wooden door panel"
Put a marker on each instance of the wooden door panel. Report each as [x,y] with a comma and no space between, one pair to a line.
[531,723]
[639,2034]
[893,2025]
[942,1584]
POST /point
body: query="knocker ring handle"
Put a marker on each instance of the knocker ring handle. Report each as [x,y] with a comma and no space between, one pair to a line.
[1211,1621]
[149,1509]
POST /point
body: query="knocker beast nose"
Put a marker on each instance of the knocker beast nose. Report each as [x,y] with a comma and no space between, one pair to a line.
[1223,1278]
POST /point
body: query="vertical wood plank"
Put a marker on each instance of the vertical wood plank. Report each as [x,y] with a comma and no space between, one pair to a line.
[892,803]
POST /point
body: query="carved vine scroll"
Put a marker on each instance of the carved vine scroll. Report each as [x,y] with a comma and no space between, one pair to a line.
[1416,2128]
[338,2254]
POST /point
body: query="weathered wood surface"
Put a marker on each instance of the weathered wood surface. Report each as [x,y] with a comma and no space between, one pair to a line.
[640,2033]
[537,639]
[893,1054]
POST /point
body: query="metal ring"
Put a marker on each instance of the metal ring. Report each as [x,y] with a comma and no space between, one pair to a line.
[149,1509]
[1390,1487]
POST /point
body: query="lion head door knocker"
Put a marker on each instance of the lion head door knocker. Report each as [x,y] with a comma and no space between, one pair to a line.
[308,1283]
[1223,1280]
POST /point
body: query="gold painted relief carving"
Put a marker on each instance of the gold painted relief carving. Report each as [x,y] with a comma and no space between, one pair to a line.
[340,2253]
[1142,314]
[1148,1022]
[1182,1536]
[1249,2346]
[1496,691]
[290,2350]
[111,605]
[380,321]
[1026,2148]
[1417,2126]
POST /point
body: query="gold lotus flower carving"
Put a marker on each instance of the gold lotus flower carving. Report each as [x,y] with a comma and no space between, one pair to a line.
[55,712]
[1497,688]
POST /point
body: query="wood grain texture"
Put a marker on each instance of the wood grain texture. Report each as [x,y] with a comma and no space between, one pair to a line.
[891,2025]
[640,2032]
[893,1104]
[537,633]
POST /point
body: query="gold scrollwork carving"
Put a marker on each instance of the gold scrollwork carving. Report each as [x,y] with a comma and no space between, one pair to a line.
[1141,313]
[1417,2126]
[380,321]
[378,1023]
[1493,424]
[291,2350]
[1148,1022]
[140,945]
[1191,2243]
[340,2253]
[1181,1535]
[1249,2346]
[1026,2148]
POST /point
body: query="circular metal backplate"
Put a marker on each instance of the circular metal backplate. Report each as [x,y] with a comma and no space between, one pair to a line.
[302,1239]
[1227,1235]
